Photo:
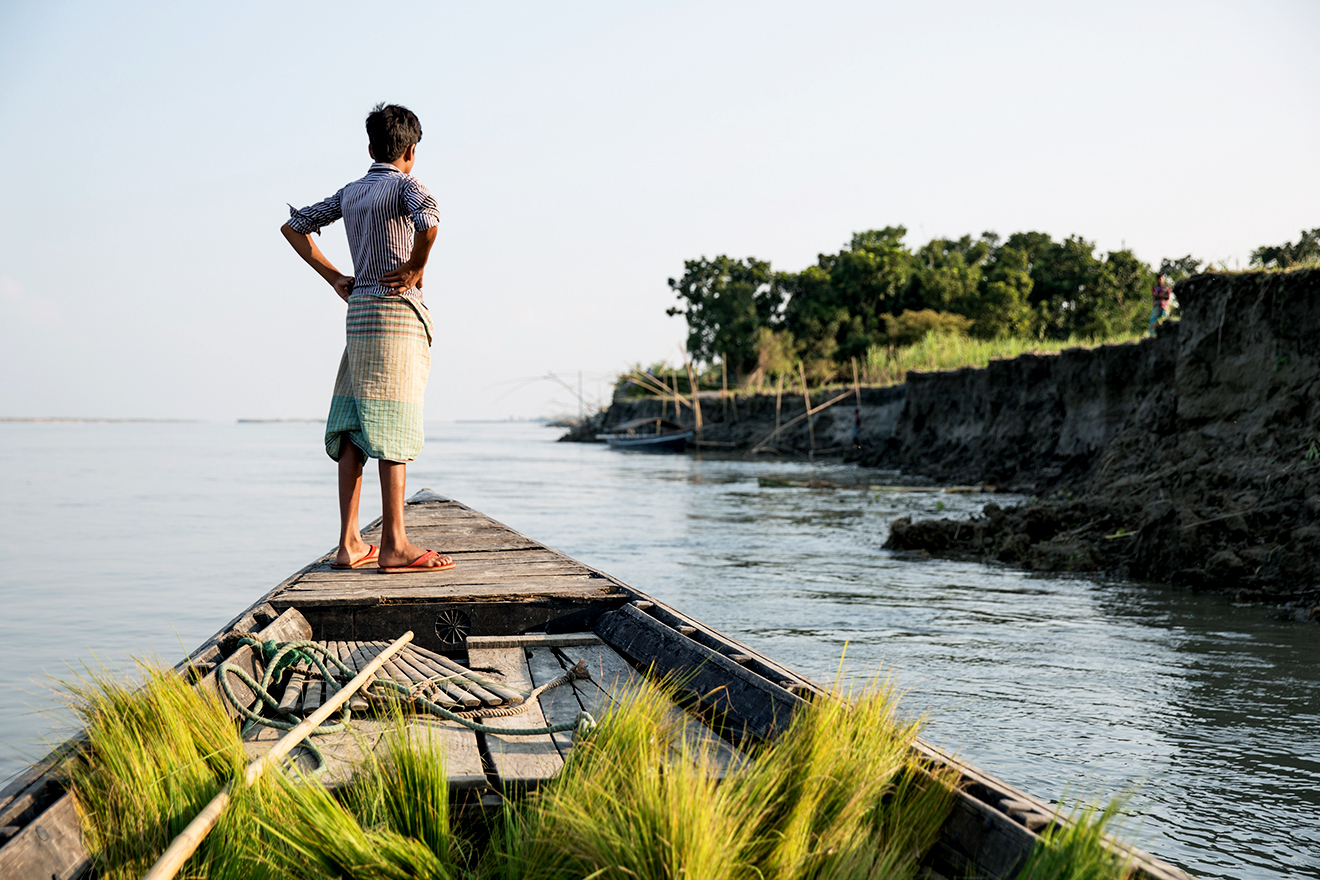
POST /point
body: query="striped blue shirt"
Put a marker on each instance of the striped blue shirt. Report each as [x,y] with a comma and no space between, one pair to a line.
[381,212]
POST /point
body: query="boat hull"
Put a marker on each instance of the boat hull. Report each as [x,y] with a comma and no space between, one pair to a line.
[515,605]
[676,442]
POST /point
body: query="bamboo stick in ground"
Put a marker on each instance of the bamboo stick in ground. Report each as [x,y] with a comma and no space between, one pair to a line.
[696,395]
[187,842]
[779,397]
[806,395]
[793,421]
[724,386]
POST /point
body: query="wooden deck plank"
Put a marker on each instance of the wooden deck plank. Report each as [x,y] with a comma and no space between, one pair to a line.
[498,559]
[559,705]
[463,573]
[520,761]
[582,589]
[462,754]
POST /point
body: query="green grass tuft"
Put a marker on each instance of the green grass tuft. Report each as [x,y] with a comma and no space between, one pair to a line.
[156,756]
[947,351]
[840,794]
[1077,850]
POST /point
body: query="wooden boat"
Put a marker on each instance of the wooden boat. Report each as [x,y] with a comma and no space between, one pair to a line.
[648,435]
[524,613]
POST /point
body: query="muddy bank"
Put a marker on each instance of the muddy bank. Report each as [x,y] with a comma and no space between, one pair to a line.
[740,424]
[1195,460]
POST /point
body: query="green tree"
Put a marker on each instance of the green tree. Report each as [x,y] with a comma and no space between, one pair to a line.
[947,273]
[1003,304]
[1287,255]
[836,308]
[725,301]
[1179,268]
[1075,293]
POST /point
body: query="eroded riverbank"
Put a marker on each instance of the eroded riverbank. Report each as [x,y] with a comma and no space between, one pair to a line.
[1191,458]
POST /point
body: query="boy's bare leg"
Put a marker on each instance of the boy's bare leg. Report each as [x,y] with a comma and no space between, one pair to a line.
[351,545]
[395,548]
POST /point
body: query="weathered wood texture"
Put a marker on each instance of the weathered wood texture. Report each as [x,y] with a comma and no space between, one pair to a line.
[743,702]
[289,626]
[492,562]
[520,761]
[51,846]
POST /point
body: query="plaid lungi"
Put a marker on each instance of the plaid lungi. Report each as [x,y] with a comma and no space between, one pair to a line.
[381,384]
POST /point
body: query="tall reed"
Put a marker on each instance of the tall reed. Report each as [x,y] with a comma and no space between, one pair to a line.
[838,795]
[154,757]
[639,800]
[1078,850]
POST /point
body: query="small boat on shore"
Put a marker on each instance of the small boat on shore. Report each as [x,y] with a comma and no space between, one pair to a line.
[524,617]
[648,435]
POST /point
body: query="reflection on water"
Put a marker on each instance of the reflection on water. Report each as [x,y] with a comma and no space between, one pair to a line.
[1062,686]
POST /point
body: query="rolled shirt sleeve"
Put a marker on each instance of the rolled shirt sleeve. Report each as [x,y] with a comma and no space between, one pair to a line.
[314,217]
[420,205]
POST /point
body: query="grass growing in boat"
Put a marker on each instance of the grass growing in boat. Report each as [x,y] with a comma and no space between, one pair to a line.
[155,757]
[838,795]
[637,800]
[846,795]
[1077,851]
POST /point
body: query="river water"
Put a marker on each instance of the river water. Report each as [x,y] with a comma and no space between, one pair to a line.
[122,539]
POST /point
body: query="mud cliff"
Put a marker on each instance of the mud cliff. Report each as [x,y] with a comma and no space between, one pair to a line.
[1192,458]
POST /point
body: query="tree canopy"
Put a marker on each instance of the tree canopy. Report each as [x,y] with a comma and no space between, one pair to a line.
[877,292]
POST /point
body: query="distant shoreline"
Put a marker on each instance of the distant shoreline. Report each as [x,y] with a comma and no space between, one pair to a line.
[103,421]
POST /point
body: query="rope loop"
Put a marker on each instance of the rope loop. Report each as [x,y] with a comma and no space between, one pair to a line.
[279,657]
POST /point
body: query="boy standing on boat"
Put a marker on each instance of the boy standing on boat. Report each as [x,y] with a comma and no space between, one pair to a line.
[376,410]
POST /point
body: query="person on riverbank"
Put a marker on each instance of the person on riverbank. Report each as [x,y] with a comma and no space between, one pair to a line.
[376,410]
[1161,295]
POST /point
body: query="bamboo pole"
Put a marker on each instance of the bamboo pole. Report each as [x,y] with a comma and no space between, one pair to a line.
[793,421]
[779,397]
[724,387]
[187,842]
[806,395]
[857,413]
[696,395]
[678,407]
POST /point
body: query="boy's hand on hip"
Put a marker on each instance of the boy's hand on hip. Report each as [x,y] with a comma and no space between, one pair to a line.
[343,286]
[406,277]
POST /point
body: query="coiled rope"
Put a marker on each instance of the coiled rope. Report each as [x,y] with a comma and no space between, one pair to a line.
[279,656]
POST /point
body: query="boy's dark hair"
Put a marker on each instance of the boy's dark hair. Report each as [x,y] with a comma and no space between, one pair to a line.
[391,129]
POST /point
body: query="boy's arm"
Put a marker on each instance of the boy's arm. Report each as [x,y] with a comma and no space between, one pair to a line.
[311,254]
[409,275]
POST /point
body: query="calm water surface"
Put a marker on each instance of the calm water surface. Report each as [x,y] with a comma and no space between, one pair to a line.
[133,539]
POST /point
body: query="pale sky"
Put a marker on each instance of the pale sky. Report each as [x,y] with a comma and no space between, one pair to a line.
[580,152]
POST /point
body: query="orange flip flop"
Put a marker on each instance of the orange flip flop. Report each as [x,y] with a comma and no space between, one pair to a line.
[372,554]
[419,564]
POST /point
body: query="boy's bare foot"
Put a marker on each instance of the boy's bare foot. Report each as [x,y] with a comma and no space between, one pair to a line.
[352,551]
[398,557]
